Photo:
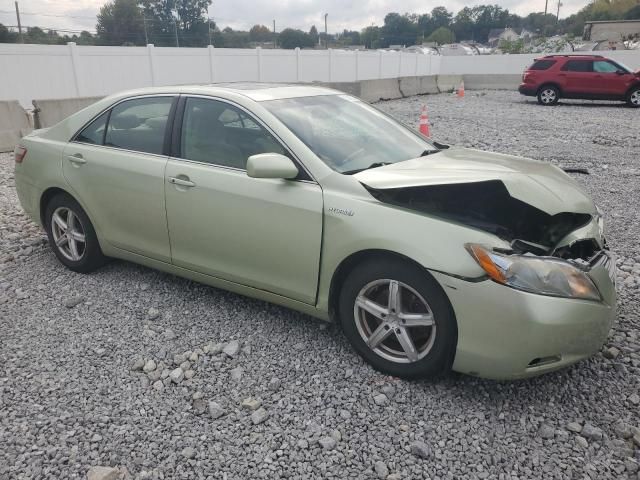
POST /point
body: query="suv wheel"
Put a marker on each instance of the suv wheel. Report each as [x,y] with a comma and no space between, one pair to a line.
[633,97]
[398,319]
[548,95]
[72,236]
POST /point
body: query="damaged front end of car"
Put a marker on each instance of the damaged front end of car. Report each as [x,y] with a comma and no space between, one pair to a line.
[548,254]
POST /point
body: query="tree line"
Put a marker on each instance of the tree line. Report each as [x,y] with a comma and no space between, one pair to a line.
[185,23]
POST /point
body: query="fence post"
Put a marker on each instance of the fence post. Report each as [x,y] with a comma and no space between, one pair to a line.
[330,63]
[73,52]
[152,63]
[297,64]
[259,60]
[357,64]
[399,64]
[417,61]
[211,69]
[379,64]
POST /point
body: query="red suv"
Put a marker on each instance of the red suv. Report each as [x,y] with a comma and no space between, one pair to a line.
[580,76]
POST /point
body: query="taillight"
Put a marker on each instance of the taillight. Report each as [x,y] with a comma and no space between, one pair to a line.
[19,153]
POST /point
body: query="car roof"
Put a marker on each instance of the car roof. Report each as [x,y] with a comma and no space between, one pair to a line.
[254,90]
[573,57]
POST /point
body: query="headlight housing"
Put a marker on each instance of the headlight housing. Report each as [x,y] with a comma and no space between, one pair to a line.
[544,276]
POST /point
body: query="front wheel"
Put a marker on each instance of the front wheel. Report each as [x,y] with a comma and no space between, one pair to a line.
[633,97]
[548,95]
[72,236]
[398,319]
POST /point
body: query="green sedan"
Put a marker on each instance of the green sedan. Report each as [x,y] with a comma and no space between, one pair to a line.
[431,257]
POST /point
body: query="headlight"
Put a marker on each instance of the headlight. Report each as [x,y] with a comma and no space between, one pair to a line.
[546,276]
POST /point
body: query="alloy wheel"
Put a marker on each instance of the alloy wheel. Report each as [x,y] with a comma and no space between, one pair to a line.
[548,95]
[634,98]
[68,234]
[394,321]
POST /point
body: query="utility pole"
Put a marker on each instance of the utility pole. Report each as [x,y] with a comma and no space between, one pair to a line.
[274,34]
[175,28]
[209,22]
[19,24]
[558,14]
[326,37]
[146,37]
[546,5]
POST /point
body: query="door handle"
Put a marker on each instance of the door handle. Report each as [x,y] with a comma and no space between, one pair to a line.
[76,158]
[181,181]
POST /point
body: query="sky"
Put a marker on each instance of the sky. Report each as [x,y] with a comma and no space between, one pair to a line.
[242,14]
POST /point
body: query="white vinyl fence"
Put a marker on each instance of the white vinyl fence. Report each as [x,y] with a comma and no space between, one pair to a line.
[65,71]
[30,72]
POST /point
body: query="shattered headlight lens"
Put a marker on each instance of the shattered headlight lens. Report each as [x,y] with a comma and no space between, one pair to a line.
[545,276]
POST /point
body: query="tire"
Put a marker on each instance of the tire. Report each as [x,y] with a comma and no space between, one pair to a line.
[633,97]
[86,256]
[548,95]
[420,294]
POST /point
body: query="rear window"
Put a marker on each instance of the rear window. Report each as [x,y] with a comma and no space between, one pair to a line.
[542,64]
[577,66]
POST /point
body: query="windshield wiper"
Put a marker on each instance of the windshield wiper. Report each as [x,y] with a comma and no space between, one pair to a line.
[373,165]
[429,152]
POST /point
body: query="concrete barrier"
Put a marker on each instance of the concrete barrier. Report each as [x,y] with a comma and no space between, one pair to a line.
[448,83]
[492,81]
[409,86]
[352,88]
[385,89]
[14,124]
[428,85]
[50,112]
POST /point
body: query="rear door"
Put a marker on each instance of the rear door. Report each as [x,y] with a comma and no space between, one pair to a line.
[577,77]
[116,166]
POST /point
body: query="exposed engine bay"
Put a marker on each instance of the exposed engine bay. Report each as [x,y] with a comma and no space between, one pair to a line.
[488,206]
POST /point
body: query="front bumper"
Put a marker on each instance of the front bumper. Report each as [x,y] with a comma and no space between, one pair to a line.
[505,333]
[528,90]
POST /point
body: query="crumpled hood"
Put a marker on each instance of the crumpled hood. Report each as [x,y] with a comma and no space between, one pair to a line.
[540,184]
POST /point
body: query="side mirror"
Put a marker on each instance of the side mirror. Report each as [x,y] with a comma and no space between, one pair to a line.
[271,165]
[620,72]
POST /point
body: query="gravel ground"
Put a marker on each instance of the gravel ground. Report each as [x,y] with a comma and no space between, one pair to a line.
[124,368]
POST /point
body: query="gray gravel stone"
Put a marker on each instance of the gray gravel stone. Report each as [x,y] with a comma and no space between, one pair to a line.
[74,301]
[546,431]
[380,399]
[251,404]
[327,443]
[574,427]
[177,375]
[153,313]
[232,348]
[149,366]
[421,449]
[215,410]
[188,452]
[259,416]
[103,473]
[591,433]
[138,364]
[381,470]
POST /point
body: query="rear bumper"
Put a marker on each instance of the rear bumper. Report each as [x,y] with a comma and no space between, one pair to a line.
[528,90]
[505,333]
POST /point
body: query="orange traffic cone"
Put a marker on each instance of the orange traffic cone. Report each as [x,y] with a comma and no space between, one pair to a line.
[461,89]
[424,122]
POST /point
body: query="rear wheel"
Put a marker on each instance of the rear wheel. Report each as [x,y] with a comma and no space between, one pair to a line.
[548,95]
[633,97]
[398,319]
[72,236]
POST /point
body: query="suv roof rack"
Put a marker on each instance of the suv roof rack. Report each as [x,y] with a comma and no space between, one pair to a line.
[573,55]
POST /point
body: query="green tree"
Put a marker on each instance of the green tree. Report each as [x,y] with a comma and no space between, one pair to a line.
[398,30]
[633,13]
[441,36]
[186,17]
[370,37]
[290,38]
[260,33]
[313,33]
[120,22]
[7,36]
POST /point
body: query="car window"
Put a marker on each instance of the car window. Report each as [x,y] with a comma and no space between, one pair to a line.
[221,134]
[139,124]
[542,65]
[577,66]
[602,66]
[94,132]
